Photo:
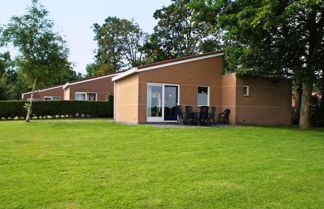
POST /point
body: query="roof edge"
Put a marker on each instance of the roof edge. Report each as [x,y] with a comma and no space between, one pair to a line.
[45,89]
[90,79]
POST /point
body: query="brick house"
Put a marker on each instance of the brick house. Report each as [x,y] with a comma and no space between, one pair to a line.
[147,93]
[92,89]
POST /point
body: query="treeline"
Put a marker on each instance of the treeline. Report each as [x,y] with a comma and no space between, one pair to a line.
[122,44]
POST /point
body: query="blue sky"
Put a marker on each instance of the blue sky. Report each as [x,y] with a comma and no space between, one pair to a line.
[74,18]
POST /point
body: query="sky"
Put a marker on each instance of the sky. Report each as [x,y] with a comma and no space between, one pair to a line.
[74,18]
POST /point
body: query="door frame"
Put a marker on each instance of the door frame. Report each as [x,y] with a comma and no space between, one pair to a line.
[160,119]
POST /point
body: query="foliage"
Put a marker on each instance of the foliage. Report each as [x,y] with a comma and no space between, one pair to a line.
[271,38]
[316,118]
[13,109]
[100,164]
[91,70]
[12,83]
[119,45]
[43,54]
[177,34]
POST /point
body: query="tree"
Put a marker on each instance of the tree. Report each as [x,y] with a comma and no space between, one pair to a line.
[119,45]
[177,34]
[7,76]
[274,38]
[91,70]
[43,54]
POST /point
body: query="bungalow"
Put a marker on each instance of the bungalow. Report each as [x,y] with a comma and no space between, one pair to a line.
[92,89]
[150,93]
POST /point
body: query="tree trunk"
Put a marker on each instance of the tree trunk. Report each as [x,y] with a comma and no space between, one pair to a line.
[29,108]
[304,120]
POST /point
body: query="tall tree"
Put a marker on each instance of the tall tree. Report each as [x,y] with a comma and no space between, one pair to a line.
[177,34]
[119,45]
[43,54]
[277,38]
[6,76]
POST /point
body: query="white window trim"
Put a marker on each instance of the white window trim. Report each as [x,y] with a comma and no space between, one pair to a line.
[248,91]
[208,96]
[51,97]
[86,95]
[34,99]
[163,85]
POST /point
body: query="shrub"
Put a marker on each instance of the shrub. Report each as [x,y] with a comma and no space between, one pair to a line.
[316,116]
[12,109]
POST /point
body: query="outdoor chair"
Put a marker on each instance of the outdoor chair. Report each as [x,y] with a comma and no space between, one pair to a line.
[212,115]
[180,115]
[190,116]
[203,115]
[224,116]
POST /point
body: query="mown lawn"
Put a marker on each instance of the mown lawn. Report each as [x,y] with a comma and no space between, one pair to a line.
[99,164]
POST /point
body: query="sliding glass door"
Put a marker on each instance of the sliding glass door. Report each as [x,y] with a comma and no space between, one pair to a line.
[162,100]
[154,103]
[170,102]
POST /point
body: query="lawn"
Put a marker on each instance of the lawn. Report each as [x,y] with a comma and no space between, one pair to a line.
[100,164]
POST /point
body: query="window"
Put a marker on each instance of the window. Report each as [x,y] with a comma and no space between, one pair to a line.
[80,96]
[246,91]
[91,96]
[51,98]
[86,96]
[35,99]
[203,96]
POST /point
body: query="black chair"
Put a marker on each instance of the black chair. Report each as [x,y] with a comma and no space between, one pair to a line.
[203,115]
[212,115]
[190,116]
[224,116]
[180,115]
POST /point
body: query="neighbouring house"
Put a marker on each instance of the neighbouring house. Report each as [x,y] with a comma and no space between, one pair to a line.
[150,93]
[90,89]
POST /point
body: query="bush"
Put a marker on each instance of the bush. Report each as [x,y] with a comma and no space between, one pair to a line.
[316,116]
[12,109]
[315,111]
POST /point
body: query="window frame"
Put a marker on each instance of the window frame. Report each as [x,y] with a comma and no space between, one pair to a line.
[86,95]
[51,98]
[247,89]
[208,96]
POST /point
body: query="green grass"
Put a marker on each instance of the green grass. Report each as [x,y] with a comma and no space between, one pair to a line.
[99,164]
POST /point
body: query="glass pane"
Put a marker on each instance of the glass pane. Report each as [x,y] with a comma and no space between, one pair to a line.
[91,96]
[154,105]
[81,97]
[170,102]
[55,98]
[48,98]
[202,97]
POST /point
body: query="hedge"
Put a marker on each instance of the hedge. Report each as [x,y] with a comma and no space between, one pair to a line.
[13,109]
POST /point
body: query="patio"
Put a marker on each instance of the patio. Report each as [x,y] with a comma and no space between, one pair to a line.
[177,125]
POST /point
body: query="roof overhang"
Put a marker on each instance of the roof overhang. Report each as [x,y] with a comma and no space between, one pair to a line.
[41,90]
[88,80]
[138,70]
